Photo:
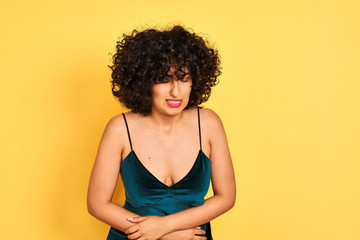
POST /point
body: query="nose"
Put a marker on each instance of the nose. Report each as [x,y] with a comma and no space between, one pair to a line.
[174,88]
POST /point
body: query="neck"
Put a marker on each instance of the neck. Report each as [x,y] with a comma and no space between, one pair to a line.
[165,122]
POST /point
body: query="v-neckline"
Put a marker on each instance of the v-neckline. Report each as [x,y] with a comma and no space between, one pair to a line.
[156,179]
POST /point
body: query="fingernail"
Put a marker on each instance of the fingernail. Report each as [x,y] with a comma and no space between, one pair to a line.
[130,219]
[198,227]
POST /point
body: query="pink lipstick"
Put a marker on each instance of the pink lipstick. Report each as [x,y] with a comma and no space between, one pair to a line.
[173,102]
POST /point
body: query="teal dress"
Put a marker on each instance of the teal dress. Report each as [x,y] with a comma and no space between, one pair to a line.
[146,195]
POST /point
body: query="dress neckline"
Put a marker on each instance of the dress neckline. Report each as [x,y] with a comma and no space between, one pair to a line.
[132,153]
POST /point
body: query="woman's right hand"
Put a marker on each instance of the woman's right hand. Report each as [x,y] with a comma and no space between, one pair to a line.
[187,234]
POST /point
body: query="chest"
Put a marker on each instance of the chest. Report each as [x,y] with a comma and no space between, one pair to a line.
[168,158]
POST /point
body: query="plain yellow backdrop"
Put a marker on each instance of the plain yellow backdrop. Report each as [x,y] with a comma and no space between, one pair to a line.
[288,97]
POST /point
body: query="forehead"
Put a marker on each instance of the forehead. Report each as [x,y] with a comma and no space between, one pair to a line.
[175,70]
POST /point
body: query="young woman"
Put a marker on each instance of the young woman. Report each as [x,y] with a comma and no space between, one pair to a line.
[167,148]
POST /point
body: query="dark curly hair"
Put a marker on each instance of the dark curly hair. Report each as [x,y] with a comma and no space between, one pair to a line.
[145,58]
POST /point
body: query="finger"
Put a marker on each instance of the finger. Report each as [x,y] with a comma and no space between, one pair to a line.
[199,232]
[131,230]
[134,235]
[200,238]
[136,219]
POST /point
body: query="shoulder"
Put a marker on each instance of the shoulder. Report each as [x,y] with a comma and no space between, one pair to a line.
[211,125]
[209,118]
[213,132]
[115,131]
[116,124]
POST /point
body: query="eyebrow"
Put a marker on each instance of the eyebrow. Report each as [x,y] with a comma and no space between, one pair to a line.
[180,74]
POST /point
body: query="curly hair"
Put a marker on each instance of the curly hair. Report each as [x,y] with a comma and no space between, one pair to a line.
[144,58]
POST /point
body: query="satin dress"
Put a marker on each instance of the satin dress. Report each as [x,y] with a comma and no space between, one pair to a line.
[146,195]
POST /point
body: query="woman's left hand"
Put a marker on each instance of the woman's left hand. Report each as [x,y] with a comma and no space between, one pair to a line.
[147,228]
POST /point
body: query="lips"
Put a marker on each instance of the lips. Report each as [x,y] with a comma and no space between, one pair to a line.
[173,102]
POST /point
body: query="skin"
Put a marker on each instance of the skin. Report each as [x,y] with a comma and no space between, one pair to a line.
[176,131]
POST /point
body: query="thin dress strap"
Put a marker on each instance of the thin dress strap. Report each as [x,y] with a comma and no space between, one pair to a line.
[127,128]
[199,127]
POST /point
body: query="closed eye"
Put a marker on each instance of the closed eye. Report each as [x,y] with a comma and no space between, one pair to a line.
[186,77]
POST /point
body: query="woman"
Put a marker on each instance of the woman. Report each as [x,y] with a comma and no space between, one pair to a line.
[166,148]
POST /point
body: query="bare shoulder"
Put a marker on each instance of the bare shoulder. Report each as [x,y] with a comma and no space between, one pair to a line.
[115,134]
[212,126]
[116,124]
[214,134]
[210,118]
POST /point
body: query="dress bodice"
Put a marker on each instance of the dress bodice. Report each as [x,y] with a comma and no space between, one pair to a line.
[147,195]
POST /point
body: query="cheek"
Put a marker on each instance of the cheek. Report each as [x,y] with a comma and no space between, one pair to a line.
[158,93]
[189,88]
[156,90]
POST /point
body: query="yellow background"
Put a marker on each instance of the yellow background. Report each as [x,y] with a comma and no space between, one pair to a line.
[288,97]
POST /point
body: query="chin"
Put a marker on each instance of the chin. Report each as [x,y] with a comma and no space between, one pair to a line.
[174,110]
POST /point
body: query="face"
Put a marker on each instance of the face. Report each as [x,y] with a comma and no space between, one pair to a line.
[171,97]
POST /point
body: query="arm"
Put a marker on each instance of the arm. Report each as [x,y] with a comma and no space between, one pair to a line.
[222,178]
[103,182]
[104,177]
[223,182]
